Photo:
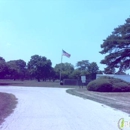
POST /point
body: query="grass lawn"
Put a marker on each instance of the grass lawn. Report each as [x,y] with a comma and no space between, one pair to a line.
[32,83]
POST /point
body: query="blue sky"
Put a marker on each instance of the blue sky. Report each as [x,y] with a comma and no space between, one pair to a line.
[45,27]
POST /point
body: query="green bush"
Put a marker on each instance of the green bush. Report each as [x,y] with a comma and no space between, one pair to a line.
[108,84]
[121,87]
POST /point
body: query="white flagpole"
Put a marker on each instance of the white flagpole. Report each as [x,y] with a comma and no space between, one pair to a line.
[61,68]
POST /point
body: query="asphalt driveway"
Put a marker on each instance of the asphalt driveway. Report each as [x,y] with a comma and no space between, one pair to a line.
[54,109]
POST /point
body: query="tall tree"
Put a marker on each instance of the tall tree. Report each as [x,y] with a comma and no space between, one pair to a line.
[86,68]
[21,68]
[16,69]
[52,74]
[39,67]
[3,68]
[82,65]
[117,48]
[75,74]
[93,67]
[65,68]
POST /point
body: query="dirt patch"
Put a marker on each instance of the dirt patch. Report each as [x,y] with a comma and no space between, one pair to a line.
[7,104]
[117,100]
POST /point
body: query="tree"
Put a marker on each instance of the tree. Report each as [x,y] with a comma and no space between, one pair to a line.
[82,65]
[39,67]
[52,74]
[3,68]
[47,70]
[16,69]
[117,48]
[65,68]
[12,69]
[93,67]
[120,73]
[86,68]
[75,74]
[21,68]
[109,70]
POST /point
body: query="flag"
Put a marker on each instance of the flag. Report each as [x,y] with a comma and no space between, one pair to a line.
[64,53]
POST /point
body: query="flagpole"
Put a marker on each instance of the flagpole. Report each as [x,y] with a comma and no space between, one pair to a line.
[61,68]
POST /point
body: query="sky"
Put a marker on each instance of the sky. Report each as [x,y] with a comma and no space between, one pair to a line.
[45,27]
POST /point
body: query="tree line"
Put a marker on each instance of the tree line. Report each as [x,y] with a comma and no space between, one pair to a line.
[40,68]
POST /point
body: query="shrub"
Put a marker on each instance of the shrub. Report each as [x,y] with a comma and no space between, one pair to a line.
[108,84]
[121,87]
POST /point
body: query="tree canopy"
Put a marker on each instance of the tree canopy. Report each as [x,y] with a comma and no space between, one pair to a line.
[3,67]
[109,70]
[16,69]
[82,65]
[85,67]
[117,48]
[39,67]
[93,67]
[65,68]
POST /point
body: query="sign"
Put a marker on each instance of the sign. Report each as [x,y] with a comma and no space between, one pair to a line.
[83,79]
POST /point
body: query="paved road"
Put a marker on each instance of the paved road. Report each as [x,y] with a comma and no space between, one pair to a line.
[54,109]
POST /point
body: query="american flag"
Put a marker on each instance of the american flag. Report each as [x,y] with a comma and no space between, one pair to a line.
[64,53]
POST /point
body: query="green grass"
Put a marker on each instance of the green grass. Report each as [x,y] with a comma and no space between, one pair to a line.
[108,84]
[33,83]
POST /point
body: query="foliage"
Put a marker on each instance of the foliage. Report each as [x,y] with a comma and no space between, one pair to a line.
[121,73]
[39,67]
[16,69]
[109,70]
[52,74]
[3,68]
[109,84]
[86,68]
[117,48]
[75,74]
[82,65]
[65,68]
[93,67]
